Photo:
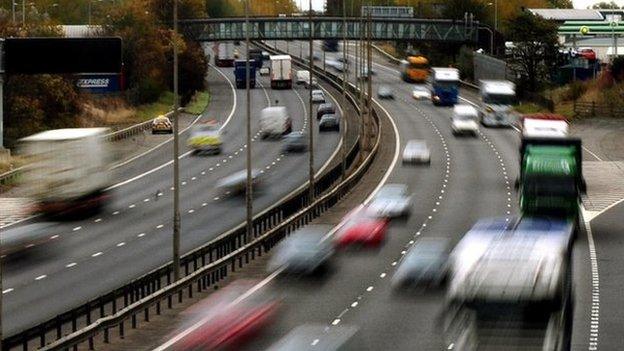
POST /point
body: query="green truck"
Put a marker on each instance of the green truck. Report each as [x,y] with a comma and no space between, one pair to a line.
[551,177]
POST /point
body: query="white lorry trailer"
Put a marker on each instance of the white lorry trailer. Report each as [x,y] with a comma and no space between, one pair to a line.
[281,72]
[497,99]
[69,169]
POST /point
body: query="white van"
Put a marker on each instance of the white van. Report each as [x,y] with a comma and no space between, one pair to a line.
[465,120]
[275,122]
[302,77]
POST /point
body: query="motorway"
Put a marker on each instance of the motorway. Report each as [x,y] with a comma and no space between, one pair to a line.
[87,258]
[469,178]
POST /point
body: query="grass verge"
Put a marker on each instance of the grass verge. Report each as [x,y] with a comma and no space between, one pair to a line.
[198,103]
[163,105]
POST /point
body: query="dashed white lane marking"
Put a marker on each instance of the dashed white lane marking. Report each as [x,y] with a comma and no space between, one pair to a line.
[595,284]
[115,213]
[121,244]
[43,276]
[98,220]
[159,226]
[69,265]
[6,291]
[56,236]
[76,229]
[99,253]
[132,206]
[140,235]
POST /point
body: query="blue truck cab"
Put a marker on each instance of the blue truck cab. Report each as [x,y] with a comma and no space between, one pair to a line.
[445,86]
[240,67]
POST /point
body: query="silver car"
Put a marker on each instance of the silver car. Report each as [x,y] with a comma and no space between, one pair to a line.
[425,264]
[421,92]
[385,92]
[236,183]
[295,142]
[416,151]
[304,252]
[392,201]
[318,97]
[329,122]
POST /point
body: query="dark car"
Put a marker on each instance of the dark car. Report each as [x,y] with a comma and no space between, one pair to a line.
[325,109]
[295,142]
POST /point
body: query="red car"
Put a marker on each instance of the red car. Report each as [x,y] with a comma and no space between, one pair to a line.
[227,319]
[587,53]
[361,226]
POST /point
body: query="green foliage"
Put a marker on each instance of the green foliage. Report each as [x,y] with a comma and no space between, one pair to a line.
[612,5]
[456,9]
[574,91]
[561,4]
[617,69]
[465,62]
[535,52]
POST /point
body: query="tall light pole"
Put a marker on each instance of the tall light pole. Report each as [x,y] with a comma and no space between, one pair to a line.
[176,165]
[345,47]
[23,13]
[496,15]
[249,184]
[13,9]
[310,120]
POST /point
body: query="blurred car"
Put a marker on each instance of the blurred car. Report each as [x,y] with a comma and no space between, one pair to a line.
[205,138]
[313,85]
[304,251]
[295,142]
[329,122]
[465,120]
[385,92]
[425,264]
[392,200]
[361,226]
[236,183]
[17,239]
[416,151]
[266,56]
[342,59]
[318,97]
[265,71]
[306,338]
[315,57]
[421,92]
[162,124]
[337,65]
[228,318]
[324,109]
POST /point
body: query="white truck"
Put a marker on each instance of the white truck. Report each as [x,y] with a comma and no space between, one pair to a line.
[544,125]
[510,286]
[69,169]
[281,71]
[497,99]
[225,54]
[275,122]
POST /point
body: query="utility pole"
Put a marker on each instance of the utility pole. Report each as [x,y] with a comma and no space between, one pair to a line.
[13,10]
[249,185]
[91,4]
[345,47]
[369,57]
[23,13]
[310,120]
[176,164]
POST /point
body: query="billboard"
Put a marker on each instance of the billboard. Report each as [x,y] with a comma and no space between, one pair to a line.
[62,55]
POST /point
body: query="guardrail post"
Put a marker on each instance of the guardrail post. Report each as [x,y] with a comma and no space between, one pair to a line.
[42,338]
[134,321]
[121,330]
[106,338]
[146,312]
[91,346]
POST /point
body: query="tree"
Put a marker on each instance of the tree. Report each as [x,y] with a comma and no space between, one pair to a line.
[456,9]
[606,5]
[535,52]
[561,4]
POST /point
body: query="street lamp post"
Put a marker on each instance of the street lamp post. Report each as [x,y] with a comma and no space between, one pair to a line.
[310,120]
[345,47]
[176,165]
[249,185]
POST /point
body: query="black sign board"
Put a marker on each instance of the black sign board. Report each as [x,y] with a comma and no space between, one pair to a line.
[62,55]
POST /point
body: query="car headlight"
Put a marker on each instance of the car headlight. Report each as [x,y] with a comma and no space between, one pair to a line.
[436,98]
